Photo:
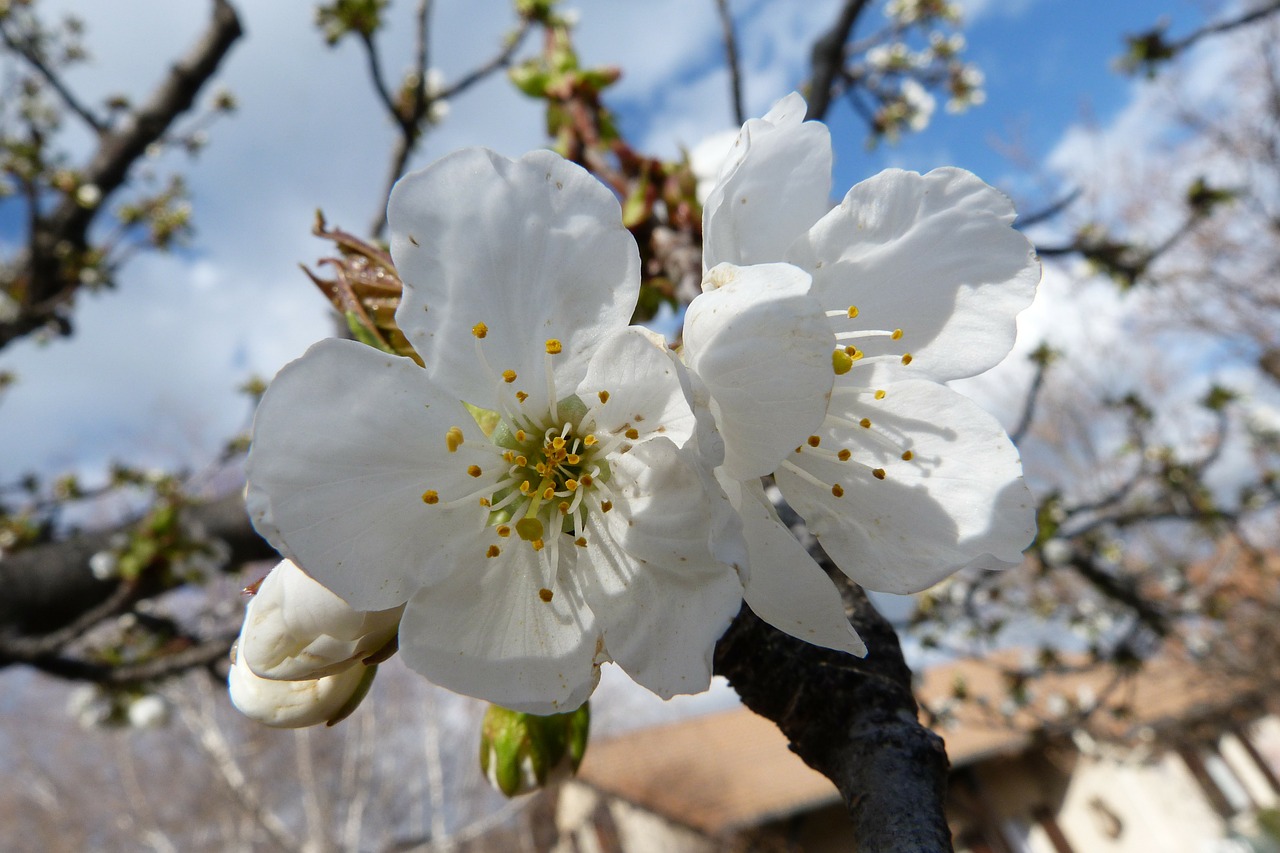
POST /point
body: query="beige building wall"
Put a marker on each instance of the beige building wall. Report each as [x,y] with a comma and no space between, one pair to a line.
[1114,805]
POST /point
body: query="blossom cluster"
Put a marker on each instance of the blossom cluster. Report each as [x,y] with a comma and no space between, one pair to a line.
[550,489]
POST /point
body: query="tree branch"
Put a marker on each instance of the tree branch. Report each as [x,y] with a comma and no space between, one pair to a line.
[853,720]
[26,49]
[47,289]
[50,587]
[731,57]
[827,58]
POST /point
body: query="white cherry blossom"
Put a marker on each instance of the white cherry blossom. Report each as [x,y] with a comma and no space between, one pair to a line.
[918,279]
[533,496]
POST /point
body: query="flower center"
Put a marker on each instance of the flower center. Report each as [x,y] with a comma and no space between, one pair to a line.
[552,468]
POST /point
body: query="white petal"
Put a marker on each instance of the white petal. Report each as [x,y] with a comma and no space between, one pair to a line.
[761,346]
[661,597]
[959,500]
[785,587]
[933,255]
[532,248]
[487,632]
[345,443]
[292,704]
[634,381]
[295,628]
[775,184]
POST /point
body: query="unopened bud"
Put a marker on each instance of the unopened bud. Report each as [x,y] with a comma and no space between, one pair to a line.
[520,753]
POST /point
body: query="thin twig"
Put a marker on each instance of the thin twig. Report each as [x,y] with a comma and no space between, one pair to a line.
[27,51]
[731,56]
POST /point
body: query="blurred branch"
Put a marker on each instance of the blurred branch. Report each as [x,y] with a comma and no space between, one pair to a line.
[731,56]
[52,599]
[48,289]
[1045,214]
[852,719]
[827,58]
[27,49]
[1150,48]
[411,111]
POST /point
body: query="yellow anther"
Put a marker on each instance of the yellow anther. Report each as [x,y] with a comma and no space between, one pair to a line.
[503,530]
[897,334]
[837,490]
[605,506]
[632,433]
[841,363]
[844,455]
[548,493]
[484,502]
[878,473]
[453,439]
[541,468]
[525,488]
[493,551]
[522,461]
[865,423]
[571,485]
[431,496]
[581,542]
[563,507]
[853,311]
[545,594]
[573,459]
[589,440]
[880,394]
[521,435]
[529,529]
[521,396]
[814,440]
[553,346]
[604,397]
[907,456]
[479,330]
[558,443]
[538,544]
[474,471]
[586,480]
[799,448]
[508,376]
[509,456]
[906,358]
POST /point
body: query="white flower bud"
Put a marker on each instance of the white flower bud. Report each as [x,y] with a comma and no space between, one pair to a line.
[296,628]
[296,704]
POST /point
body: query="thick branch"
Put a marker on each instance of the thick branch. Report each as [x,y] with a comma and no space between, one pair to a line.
[853,720]
[50,587]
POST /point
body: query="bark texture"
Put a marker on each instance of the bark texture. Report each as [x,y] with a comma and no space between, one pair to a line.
[854,720]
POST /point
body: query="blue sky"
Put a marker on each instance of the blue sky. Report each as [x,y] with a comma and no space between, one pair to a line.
[150,376]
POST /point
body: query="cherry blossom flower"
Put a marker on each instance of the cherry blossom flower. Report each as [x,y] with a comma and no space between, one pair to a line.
[917,280]
[533,496]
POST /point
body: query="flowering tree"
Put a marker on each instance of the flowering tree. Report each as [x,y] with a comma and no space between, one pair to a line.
[503,479]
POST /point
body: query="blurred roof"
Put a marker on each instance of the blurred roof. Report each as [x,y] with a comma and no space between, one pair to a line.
[726,771]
